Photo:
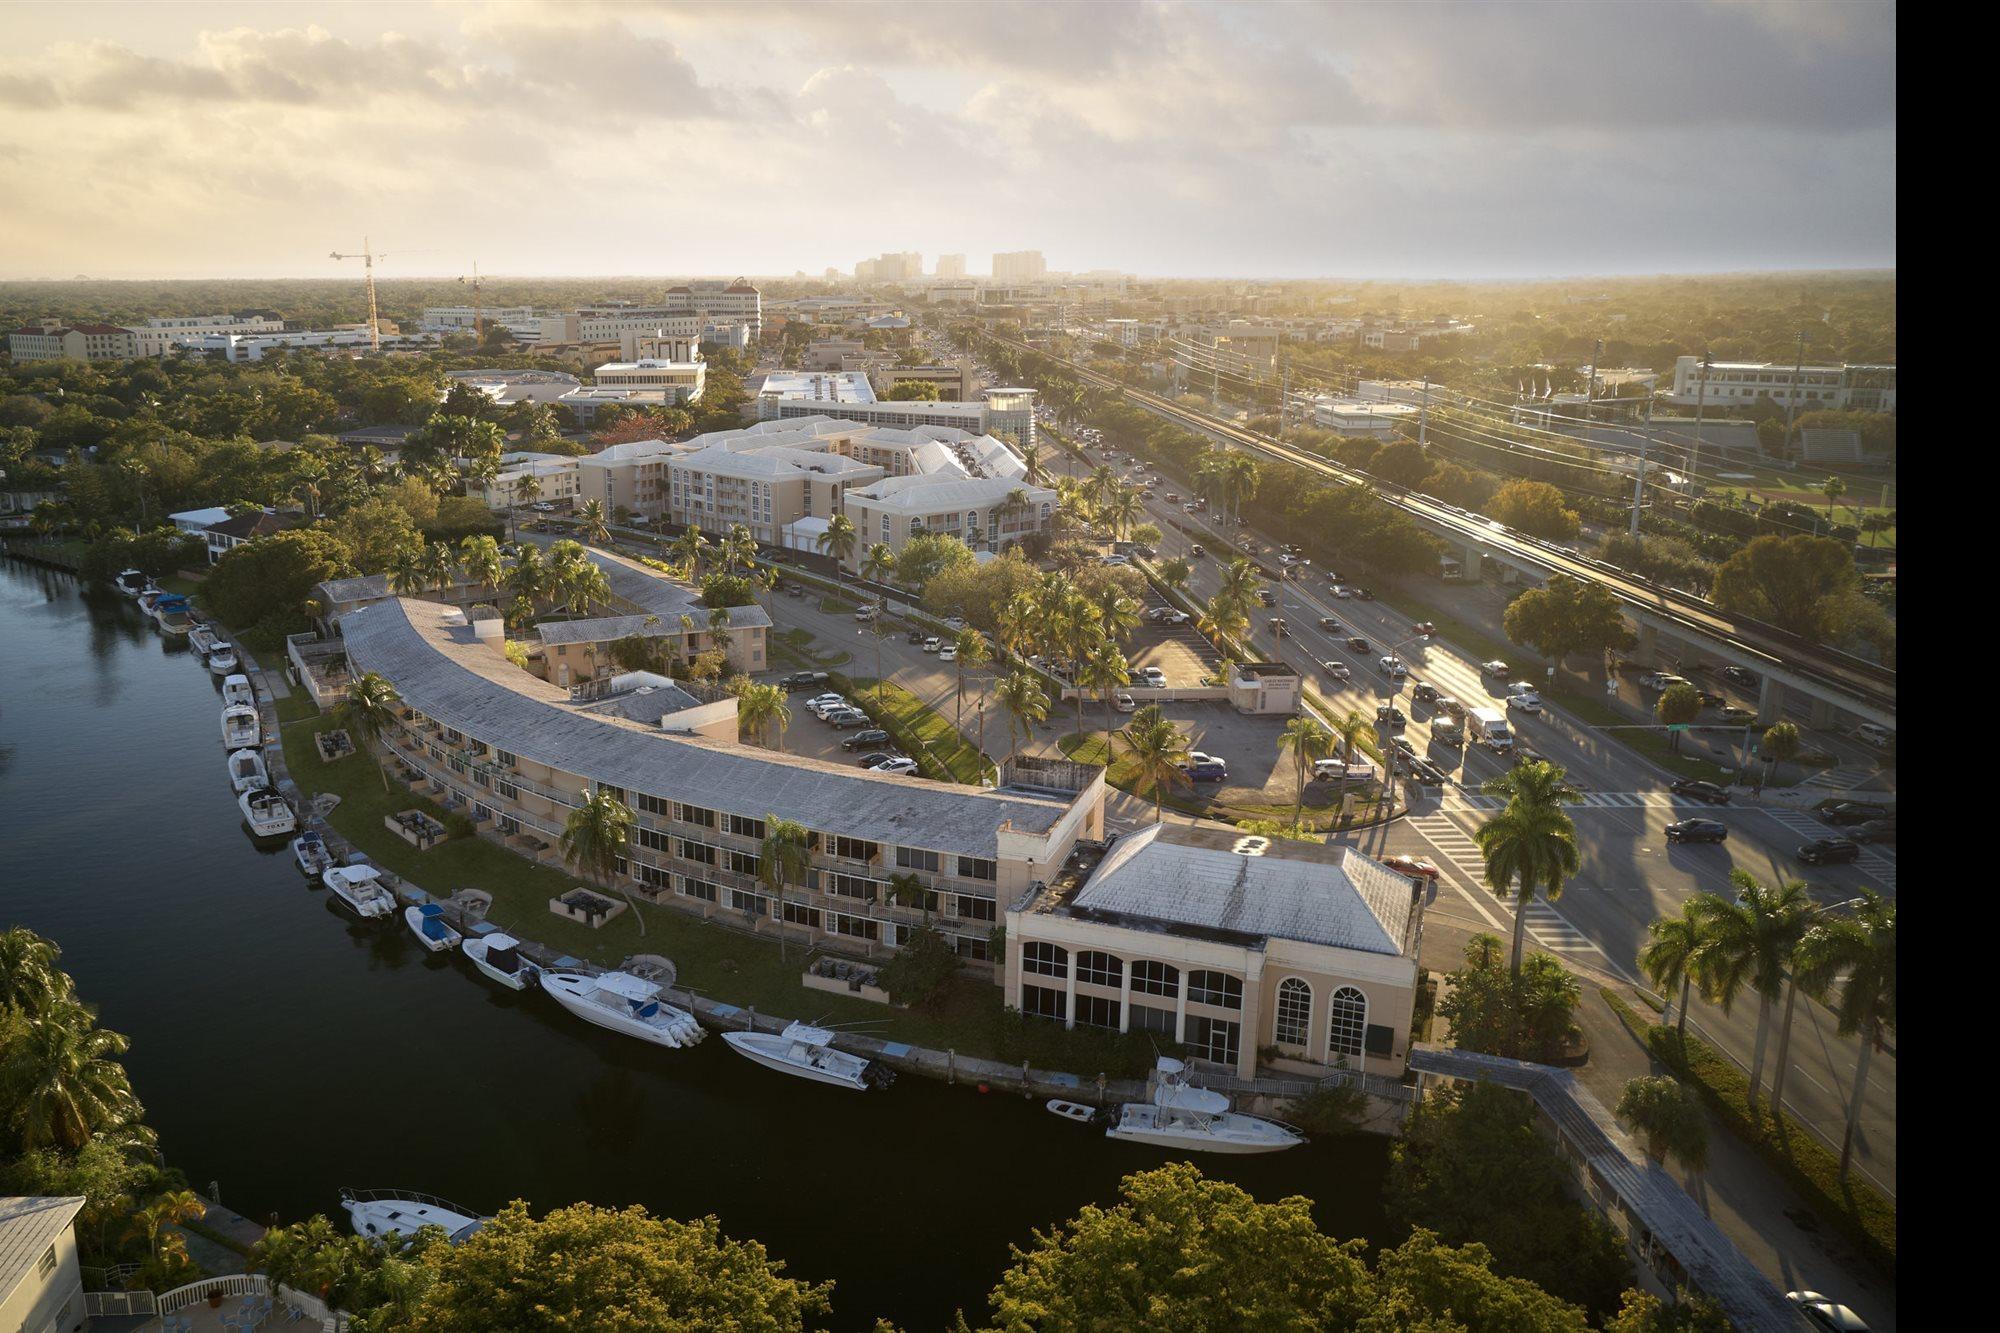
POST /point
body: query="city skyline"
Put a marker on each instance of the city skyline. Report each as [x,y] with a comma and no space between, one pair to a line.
[1341,142]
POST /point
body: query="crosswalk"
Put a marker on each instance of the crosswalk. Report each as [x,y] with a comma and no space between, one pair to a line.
[1838,779]
[1873,859]
[1459,799]
[1546,926]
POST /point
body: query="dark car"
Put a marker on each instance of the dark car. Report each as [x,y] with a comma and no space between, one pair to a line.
[1267,597]
[875,757]
[1875,830]
[800,680]
[1843,813]
[1145,552]
[1357,644]
[1698,790]
[1828,851]
[915,636]
[861,739]
[1329,624]
[1213,772]
[1429,774]
[1392,715]
[852,718]
[1363,595]
[1698,830]
[1741,675]
[1424,693]
[1710,699]
[1197,549]
[1404,747]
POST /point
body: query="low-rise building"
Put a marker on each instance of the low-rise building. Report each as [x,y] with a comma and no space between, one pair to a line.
[1375,420]
[196,522]
[630,476]
[230,533]
[679,381]
[1809,388]
[1005,413]
[532,478]
[157,337]
[954,383]
[53,340]
[991,513]
[1226,943]
[507,387]
[41,1281]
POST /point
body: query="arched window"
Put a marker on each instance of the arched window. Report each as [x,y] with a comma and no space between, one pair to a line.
[1347,1022]
[1100,969]
[1044,959]
[1295,1009]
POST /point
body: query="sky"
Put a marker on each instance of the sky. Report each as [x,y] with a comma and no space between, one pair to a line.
[1411,140]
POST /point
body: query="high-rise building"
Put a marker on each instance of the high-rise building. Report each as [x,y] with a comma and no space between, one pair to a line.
[951,266]
[890,267]
[1019,266]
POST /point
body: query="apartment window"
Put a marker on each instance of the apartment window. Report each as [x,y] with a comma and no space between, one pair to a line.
[699,852]
[1044,959]
[911,858]
[1214,1038]
[1100,968]
[1151,978]
[695,814]
[651,876]
[1295,1006]
[1044,1002]
[974,947]
[973,907]
[697,888]
[653,805]
[1347,1022]
[860,927]
[653,842]
[743,826]
[1216,988]
[854,849]
[742,863]
[1097,1011]
[756,904]
[507,789]
[975,867]
[849,886]
[1145,1018]
[799,914]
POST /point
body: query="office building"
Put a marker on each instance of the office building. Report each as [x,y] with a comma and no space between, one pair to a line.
[678,381]
[1809,388]
[1019,266]
[1345,416]
[53,340]
[157,337]
[951,266]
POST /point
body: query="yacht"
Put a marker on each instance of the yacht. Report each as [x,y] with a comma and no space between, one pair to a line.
[427,923]
[401,1212]
[240,728]
[804,1051]
[623,1003]
[361,891]
[237,690]
[222,660]
[1184,1117]
[246,771]
[500,957]
[309,850]
[131,582]
[267,813]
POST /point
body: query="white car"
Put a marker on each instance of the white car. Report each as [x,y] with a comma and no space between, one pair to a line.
[1124,702]
[933,643]
[819,701]
[1118,560]
[1360,770]
[1875,734]
[955,622]
[1341,591]
[1525,700]
[902,765]
[542,507]
[1338,670]
[1394,667]
[1154,677]
[866,613]
[948,653]
[1825,1314]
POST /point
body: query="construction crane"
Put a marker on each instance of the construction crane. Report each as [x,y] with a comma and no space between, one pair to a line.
[478,318]
[368,258]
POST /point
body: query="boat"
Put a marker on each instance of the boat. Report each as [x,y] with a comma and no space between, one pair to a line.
[361,889]
[148,596]
[246,770]
[240,728]
[401,1212]
[427,923]
[237,690]
[175,614]
[1184,1117]
[309,850]
[499,957]
[268,814]
[222,661]
[1076,1111]
[203,640]
[131,582]
[806,1052]
[623,1003]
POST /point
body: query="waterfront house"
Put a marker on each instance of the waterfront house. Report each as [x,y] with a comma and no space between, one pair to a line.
[41,1285]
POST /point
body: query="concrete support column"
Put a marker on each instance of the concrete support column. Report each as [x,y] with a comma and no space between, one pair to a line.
[1069,992]
[1649,643]
[1770,701]
[1819,712]
[1125,997]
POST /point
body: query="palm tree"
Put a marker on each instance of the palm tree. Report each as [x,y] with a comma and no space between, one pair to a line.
[584,585]
[1019,624]
[1347,731]
[1668,1116]
[784,859]
[1031,457]
[718,629]
[972,652]
[878,562]
[369,710]
[481,558]
[1124,508]
[907,890]
[440,566]
[1307,741]
[408,575]
[1832,488]
[1674,957]
[527,489]
[687,549]
[1155,747]
[591,521]
[1876,522]
[1858,954]
[29,978]
[739,548]
[595,838]
[1239,580]
[838,539]
[1779,744]
[164,1211]
[1531,844]
[1224,621]
[1103,669]
[1026,704]
[69,1084]
[1751,941]
[758,707]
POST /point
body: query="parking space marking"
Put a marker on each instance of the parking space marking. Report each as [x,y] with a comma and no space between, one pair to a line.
[1546,925]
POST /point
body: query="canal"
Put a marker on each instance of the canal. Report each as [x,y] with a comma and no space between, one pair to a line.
[282,1051]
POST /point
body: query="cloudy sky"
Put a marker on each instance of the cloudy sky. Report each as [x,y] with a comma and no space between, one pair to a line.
[1302,140]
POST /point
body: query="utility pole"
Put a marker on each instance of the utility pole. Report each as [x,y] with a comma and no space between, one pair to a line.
[1590,385]
[1639,482]
[368,257]
[1792,395]
[1424,414]
[1700,401]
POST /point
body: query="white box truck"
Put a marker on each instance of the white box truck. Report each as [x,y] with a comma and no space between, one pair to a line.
[1489,728]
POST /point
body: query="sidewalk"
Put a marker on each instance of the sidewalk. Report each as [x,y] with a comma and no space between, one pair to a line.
[1756,1210]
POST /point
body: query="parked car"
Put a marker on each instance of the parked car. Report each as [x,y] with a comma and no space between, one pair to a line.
[914,636]
[1742,676]
[1828,851]
[1357,644]
[903,764]
[1357,770]
[954,623]
[933,643]
[1875,734]
[850,717]
[1153,676]
[1413,866]
[801,680]
[1825,1314]
[875,757]
[1210,772]
[866,613]
[1699,790]
[1338,670]
[1697,830]
[863,739]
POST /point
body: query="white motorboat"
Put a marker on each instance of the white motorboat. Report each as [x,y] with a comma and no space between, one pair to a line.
[238,690]
[401,1212]
[131,582]
[427,923]
[268,814]
[500,957]
[361,891]
[309,850]
[174,613]
[1077,1111]
[1184,1117]
[148,597]
[240,727]
[246,771]
[804,1051]
[222,661]
[623,1003]
[203,640]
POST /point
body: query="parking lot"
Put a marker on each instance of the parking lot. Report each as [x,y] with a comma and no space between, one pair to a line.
[1179,650]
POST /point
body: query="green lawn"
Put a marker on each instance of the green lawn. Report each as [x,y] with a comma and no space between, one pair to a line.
[837,606]
[922,732]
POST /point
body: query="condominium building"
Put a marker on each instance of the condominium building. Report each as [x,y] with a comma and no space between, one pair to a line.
[53,340]
[530,478]
[1841,388]
[631,476]
[1225,943]
[991,513]
[904,266]
[680,381]
[1008,413]
[1019,266]
[955,293]
[782,481]
[735,302]
[157,337]
[951,266]
[516,754]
